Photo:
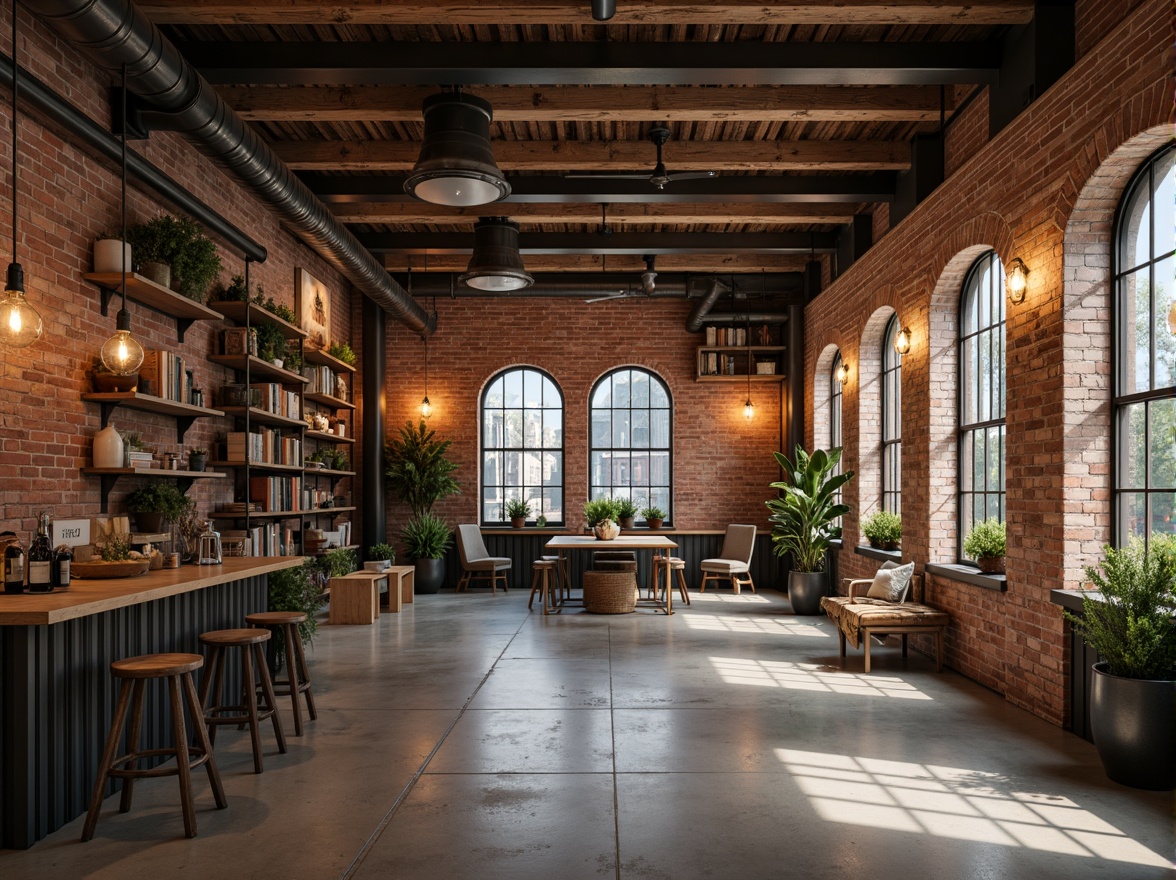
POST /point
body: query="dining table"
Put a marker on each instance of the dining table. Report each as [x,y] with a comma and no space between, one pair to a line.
[564,545]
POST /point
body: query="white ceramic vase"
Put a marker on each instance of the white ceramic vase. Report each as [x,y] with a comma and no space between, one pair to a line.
[108,448]
[106,255]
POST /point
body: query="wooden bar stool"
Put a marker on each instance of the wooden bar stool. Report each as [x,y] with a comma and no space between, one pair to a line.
[253,667]
[297,679]
[563,581]
[545,571]
[134,672]
[678,567]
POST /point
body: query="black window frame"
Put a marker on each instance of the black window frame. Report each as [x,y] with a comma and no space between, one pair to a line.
[891,447]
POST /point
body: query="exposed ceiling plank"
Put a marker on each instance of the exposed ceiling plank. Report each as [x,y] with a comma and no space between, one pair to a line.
[726,263]
[617,216]
[557,156]
[639,243]
[877,186]
[600,104]
[596,63]
[578,12]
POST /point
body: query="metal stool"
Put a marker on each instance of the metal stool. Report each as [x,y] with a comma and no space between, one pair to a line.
[677,566]
[541,583]
[134,671]
[297,679]
[252,666]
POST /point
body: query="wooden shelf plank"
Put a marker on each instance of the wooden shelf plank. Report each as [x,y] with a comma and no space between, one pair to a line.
[328,437]
[153,472]
[755,379]
[149,403]
[263,417]
[319,356]
[327,400]
[281,514]
[235,310]
[259,370]
[155,296]
[258,466]
[328,472]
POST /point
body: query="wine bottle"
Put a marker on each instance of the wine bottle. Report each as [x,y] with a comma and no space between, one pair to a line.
[41,558]
[62,559]
[13,565]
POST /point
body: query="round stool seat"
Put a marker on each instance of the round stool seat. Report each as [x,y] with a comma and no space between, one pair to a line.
[673,562]
[156,665]
[543,563]
[275,618]
[235,636]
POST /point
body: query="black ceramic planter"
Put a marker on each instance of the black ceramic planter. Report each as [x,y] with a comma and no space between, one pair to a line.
[1134,727]
[429,575]
[805,589]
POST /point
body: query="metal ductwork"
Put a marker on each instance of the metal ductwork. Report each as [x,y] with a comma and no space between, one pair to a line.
[740,318]
[113,33]
[697,316]
[556,286]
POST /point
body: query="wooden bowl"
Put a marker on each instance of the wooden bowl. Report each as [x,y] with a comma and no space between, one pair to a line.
[107,382]
[99,569]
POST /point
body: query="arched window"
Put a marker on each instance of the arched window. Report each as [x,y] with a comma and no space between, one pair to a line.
[891,420]
[522,445]
[632,437]
[982,395]
[1145,361]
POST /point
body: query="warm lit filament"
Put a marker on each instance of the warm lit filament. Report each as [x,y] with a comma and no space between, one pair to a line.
[426,408]
[749,410]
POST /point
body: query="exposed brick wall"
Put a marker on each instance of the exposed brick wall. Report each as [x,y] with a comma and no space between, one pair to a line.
[1045,190]
[722,463]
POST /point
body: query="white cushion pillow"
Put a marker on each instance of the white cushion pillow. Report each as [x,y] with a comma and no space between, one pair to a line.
[891,584]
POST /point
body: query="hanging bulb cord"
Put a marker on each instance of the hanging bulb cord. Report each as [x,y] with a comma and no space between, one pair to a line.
[15,273]
[123,321]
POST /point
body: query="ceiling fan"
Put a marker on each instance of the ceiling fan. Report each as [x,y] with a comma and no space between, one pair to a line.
[646,289]
[660,177]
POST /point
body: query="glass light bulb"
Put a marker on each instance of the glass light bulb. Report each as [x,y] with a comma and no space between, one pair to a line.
[426,408]
[122,354]
[1017,282]
[20,323]
[842,374]
[749,410]
[902,340]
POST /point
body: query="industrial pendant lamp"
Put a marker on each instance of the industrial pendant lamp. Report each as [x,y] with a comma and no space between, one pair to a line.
[121,353]
[748,406]
[496,265]
[20,323]
[426,407]
[456,164]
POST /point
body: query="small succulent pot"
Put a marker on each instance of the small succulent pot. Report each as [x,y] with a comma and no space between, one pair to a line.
[654,523]
[626,522]
[517,522]
[197,461]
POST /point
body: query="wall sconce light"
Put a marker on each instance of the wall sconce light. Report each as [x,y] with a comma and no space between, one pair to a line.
[902,340]
[842,373]
[1016,280]
[456,164]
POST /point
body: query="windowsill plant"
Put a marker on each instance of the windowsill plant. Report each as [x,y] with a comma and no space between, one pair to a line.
[883,530]
[985,543]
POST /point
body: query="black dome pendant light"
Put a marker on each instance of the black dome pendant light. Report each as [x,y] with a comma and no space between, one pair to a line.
[603,10]
[496,264]
[456,164]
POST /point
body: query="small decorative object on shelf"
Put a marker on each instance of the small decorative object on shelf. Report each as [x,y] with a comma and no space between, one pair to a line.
[210,546]
[108,448]
[197,458]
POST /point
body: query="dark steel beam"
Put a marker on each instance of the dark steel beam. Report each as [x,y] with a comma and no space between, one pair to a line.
[595,63]
[843,188]
[613,243]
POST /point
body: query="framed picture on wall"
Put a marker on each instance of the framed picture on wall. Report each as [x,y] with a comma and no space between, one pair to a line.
[314,308]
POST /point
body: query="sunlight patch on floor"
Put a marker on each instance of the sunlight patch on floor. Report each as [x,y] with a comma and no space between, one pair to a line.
[957,803]
[811,677]
[730,598]
[781,626]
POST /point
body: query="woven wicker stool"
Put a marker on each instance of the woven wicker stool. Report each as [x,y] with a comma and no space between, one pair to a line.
[678,567]
[610,592]
[253,667]
[134,672]
[544,581]
[297,680]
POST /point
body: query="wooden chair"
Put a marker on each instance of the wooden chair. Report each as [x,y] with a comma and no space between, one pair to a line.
[476,561]
[733,560]
[298,676]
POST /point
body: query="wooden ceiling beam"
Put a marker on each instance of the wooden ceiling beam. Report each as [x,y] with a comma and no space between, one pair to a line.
[722,263]
[600,103]
[634,156]
[578,12]
[617,216]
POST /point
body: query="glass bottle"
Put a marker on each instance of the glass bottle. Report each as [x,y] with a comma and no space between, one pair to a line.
[13,565]
[62,560]
[40,558]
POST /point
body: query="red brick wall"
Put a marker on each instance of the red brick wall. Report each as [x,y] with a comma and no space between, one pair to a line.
[1045,190]
[722,463]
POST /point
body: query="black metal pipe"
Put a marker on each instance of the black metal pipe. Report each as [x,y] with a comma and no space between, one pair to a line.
[696,317]
[603,10]
[375,524]
[56,109]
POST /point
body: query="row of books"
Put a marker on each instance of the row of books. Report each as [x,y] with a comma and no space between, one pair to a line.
[264,446]
[277,400]
[761,334]
[164,374]
[715,364]
[324,380]
[276,539]
[276,494]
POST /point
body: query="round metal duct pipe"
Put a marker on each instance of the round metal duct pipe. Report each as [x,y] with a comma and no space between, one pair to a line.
[603,10]
[695,319]
[456,163]
[113,33]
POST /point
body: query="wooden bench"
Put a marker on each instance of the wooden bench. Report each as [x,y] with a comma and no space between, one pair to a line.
[404,576]
[355,597]
[858,619]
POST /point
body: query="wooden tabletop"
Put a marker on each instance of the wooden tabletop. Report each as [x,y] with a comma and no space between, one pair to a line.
[94,596]
[621,542]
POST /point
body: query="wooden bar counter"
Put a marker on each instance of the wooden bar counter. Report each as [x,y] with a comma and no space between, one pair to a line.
[56,693]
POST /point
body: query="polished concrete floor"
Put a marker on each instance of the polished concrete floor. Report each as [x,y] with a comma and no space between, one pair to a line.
[468,738]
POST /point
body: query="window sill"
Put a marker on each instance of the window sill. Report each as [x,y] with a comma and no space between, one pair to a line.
[836,545]
[874,553]
[968,575]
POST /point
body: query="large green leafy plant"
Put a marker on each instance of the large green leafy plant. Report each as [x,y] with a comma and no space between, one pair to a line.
[804,515]
[426,537]
[417,468]
[296,589]
[1132,626]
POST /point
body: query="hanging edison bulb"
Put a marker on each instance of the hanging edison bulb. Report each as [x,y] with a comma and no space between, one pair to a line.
[121,353]
[749,410]
[426,408]
[20,323]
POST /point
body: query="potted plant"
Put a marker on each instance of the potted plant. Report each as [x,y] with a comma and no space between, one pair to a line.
[601,514]
[294,589]
[653,516]
[1131,625]
[540,522]
[626,512]
[417,468]
[517,511]
[197,458]
[271,344]
[179,244]
[156,502]
[380,557]
[342,351]
[986,544]
[426,538]
[804,521]
[883,530]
